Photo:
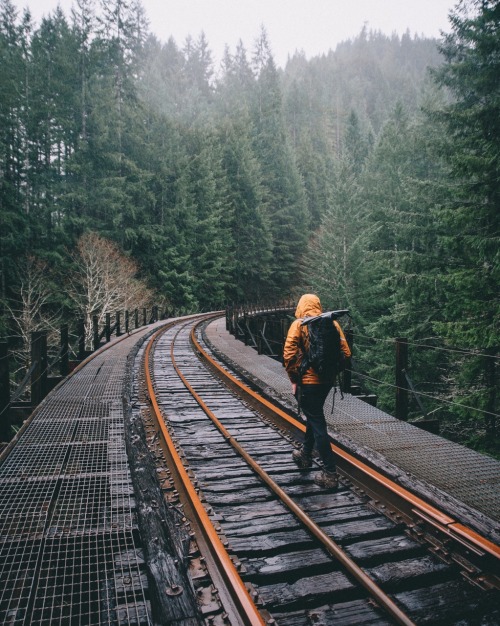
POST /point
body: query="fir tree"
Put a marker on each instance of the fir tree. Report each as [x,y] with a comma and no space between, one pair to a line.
[401,184]
[471,220]
[13,104]
[284,200]
[250,230]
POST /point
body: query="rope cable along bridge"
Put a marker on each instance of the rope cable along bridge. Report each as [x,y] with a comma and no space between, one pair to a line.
[183,505]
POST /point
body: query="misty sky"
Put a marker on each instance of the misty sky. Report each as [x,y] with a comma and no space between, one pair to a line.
[313,26]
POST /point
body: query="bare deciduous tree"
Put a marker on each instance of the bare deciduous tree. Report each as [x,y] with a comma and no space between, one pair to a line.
[105,281]
[32,310]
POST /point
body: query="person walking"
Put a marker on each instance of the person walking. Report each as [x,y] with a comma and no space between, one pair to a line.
[313,392]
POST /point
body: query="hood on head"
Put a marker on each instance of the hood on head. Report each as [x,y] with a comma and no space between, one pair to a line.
[308,306]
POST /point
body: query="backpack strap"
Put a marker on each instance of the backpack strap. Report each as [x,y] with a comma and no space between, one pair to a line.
[305,365]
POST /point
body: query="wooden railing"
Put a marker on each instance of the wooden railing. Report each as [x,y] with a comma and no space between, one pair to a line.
[45,366]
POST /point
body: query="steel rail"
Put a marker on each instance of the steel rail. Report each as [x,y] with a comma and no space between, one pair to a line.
[224,571]
[110,344]
[331,546]
[449,527]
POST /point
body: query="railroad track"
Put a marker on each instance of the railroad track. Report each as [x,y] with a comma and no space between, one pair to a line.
[270,546]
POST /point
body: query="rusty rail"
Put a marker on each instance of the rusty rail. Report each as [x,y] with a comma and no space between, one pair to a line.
[439,527]
[228,580]
[331,546]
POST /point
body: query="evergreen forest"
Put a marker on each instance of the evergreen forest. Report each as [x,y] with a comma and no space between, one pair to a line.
[135,171]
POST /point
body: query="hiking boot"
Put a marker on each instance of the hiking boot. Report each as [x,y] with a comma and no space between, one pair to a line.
[302,459]
[328,480]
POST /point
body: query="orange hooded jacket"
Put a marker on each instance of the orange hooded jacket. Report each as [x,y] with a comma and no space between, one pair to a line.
[309,306]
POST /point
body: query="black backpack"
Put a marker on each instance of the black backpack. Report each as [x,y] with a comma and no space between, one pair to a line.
[324,354]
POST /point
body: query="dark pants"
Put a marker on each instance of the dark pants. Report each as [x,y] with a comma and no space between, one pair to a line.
[312,400]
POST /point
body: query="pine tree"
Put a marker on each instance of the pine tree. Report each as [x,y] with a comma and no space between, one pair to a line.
[250,230]
[284,199]
[235,88]
[357,145]
[162,85]
[212,247]
[78,174]
[471,219]
[164,244]
[402,183]
[334,263]
[14,103]
[52,125]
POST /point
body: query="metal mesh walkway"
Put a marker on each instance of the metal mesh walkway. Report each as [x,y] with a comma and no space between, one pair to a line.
[69,551]
[417,458]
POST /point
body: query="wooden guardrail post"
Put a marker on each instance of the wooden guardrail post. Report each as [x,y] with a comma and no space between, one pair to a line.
[401,382]
[64,356]
[39,364]
[95,332]
[126,321]
[347,375]
[117,325]
[144,317]
[4,393]
[246,339]
[136,318]
[261,332]
[108,327]
[491,378]
[80,330]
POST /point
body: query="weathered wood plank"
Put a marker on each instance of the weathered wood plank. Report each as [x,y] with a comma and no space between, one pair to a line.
[309,487]
[253,494]
[271,523]
[342,513]
[293,477]
[264,448]
[181,415]
[199,430]
[418,571]
[235,471]
[246,512]
[290,565]
[331,587]
[283,465]
[260,435]
[214,463]
[367,528]
[448,602]
[223,485]
[260,544]
[325,501]
[245,422]
[198,451]
[397,547]
[352,613]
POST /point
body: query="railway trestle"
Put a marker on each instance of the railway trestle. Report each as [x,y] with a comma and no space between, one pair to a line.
[144,490]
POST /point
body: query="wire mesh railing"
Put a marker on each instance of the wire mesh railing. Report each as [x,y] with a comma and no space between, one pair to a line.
[29,372]
[427,402]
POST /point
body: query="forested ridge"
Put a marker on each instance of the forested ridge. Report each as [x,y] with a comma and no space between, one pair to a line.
[135,171]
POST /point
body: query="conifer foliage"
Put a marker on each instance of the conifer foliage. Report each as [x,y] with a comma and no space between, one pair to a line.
[471,216]
[252,181]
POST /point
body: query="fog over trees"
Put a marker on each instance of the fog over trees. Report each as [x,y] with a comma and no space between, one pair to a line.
[360,174]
